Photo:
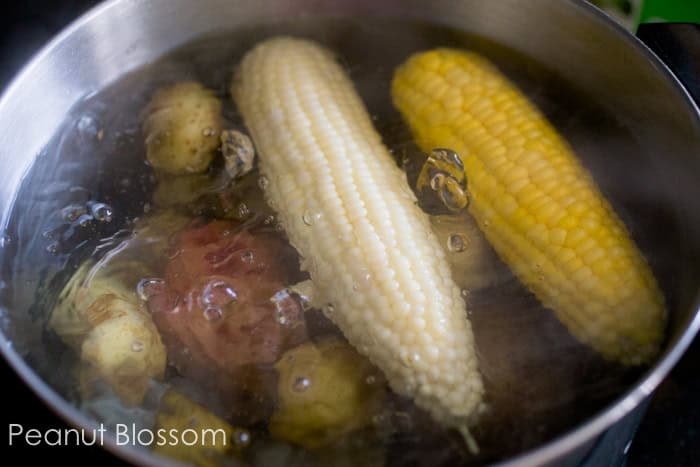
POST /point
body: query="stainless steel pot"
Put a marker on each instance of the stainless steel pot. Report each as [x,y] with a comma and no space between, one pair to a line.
[573,39]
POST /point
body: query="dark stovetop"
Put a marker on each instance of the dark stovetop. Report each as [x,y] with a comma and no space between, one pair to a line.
[669,433]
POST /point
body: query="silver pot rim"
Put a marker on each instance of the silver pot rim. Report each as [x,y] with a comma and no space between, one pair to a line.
[544,454]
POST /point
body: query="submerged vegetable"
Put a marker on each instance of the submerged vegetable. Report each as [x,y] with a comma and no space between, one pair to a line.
[348,210]
[182,128]
[184,190]
[215,437]
[99,314]
[221,278]
[108,325]
[215,311]
[323,393]
[535,202]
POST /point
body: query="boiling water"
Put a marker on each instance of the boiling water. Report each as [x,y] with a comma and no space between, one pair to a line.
[91,184]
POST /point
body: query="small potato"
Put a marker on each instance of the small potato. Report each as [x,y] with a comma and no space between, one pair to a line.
[126,350]
[99,314]
[118,342]
[182,191]
[325,391]
[182,128]
[219,441]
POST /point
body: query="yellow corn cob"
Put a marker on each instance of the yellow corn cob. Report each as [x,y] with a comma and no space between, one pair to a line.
[535,202]
[349,211]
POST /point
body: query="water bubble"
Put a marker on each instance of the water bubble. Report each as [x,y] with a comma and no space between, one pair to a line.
[465,293]
[137,346]
[209,131]
[304,301]
[453,196]
[437,181]
[263,182]
[447,155]
[241,438]
[288,306]
[247,256]
[84,220]
[269,220]
[88,125]
[148,287]
[310,217]
[73,212]
[146,208]
[101,212]
[371,379]
[363,280]
[328,310]
[218,294]
[445,173]
[301,384]
[457,242]
[5,240]
[53,248]
[213,313]
[243,211]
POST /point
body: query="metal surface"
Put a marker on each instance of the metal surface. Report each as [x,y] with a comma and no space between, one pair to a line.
[678,45]
[576,41]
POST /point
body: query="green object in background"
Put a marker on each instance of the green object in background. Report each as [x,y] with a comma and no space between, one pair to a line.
[632,13]
[674,11]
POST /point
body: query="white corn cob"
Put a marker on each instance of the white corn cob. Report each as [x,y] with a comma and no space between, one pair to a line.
[348,210]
